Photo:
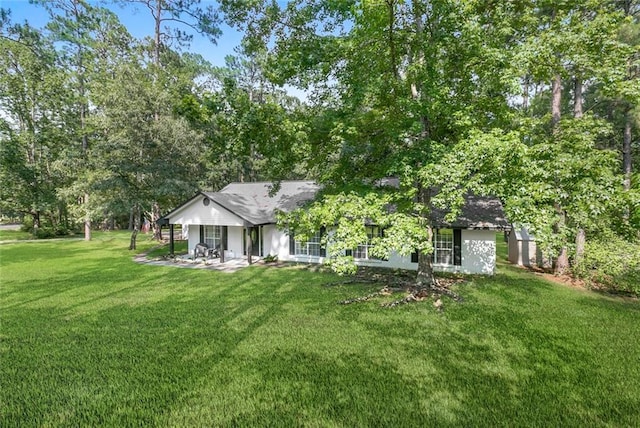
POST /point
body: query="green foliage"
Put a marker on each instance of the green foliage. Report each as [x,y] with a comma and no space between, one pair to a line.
[346,214]
[270,258]
[612,262]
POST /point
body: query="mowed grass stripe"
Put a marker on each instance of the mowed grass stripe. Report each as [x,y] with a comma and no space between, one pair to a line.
[87,337]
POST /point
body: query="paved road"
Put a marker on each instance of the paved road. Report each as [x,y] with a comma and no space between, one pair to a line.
[12,226]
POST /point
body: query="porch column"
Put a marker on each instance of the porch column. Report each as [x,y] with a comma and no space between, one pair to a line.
[249,244]
[223,239]
[171,246]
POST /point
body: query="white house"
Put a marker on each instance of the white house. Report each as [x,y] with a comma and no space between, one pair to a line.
[243,215]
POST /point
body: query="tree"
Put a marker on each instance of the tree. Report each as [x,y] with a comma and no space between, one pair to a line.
[77,27]
[170,17]
[149,161]
[398,85]
[34,106]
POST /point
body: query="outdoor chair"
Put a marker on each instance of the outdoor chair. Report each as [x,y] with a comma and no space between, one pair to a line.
[203,250]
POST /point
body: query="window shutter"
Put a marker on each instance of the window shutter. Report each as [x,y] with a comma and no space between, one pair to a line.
[323,250]
[414,257]
[201,233]
[225,240]
[457,247]
[292,243]
[433,246]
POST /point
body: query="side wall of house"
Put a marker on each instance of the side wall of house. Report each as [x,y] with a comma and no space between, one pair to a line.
[478,253]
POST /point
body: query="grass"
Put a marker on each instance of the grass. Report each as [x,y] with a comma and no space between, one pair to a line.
[87,337]
[14,235]
[179,247]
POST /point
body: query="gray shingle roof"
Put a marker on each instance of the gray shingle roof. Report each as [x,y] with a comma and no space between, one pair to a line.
[478,212]
[252,202]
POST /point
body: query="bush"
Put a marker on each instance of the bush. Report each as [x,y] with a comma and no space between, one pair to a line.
[27,224]
[613,263]
[60,230]
[270,259]
[45,233]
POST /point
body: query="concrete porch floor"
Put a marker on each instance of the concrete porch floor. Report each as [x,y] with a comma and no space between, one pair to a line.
[186,261]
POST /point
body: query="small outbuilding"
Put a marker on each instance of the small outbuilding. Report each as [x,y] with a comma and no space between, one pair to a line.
[523,250]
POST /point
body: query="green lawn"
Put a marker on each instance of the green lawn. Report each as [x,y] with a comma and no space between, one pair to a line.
[14,235]
[87,337]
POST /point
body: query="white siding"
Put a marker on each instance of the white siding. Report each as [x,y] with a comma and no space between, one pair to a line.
[197,213]
[478,256]
[277,243]
[478,253]
[234,241]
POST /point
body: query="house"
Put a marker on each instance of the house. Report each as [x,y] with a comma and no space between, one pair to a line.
[242,217]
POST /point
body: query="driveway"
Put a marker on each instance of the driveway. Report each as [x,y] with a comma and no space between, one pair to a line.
[10,226]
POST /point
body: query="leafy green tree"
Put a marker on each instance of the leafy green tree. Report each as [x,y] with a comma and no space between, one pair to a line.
[397,86]
[80,29]
[152,162]
[33,102]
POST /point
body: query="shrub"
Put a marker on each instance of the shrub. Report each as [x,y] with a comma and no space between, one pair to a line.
[61,230]
[45,233]
[271,259]
[613,263]
[27,224]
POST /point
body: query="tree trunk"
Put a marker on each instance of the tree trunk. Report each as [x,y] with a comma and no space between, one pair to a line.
[525,94]
[155,216]
[158,21]
[578,102]
[626,151]
[580,242]
[425,276]
[36,221]
[561,263]
[249,246]
[136,227]
[87,219]
[577,97]
[556,97]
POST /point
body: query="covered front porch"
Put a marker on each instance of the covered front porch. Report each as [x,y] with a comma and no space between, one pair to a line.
[230,242]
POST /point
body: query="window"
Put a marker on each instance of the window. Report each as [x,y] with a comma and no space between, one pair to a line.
[443,246]
[447,247]
[363,250]
[310,247]
[213,236]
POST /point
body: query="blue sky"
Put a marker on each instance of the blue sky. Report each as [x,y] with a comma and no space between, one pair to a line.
[139,23]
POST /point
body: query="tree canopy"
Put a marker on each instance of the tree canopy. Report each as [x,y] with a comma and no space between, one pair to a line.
[535,102]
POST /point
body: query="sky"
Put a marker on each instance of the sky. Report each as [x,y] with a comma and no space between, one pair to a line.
[139,22]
